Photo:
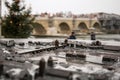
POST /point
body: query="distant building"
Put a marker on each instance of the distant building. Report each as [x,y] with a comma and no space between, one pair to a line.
[109,22]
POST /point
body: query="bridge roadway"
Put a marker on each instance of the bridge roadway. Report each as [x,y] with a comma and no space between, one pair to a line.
[39,49]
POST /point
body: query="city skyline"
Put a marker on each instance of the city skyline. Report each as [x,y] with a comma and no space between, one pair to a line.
[76,7]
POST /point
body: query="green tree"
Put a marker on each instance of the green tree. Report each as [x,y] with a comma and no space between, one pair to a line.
[18,22]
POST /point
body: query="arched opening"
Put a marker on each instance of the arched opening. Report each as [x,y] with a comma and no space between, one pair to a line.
[82,27]
[64,28]
[97,27]
[39,29]
[116,27]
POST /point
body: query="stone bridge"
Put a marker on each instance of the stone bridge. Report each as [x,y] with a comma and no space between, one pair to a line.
[58,25]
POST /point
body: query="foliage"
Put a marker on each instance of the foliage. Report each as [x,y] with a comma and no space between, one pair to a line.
[18,22]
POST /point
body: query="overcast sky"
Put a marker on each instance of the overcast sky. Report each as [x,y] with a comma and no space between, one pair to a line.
[75,6]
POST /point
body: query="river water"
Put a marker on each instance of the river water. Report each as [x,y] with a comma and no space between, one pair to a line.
[104,37]
[115,37]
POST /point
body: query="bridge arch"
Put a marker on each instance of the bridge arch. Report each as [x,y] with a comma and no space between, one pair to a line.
[39,29]
[64,28]
[82,27]
[97,26]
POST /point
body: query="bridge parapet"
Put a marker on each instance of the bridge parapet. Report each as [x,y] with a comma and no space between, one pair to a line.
[41,18]
[86,19]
